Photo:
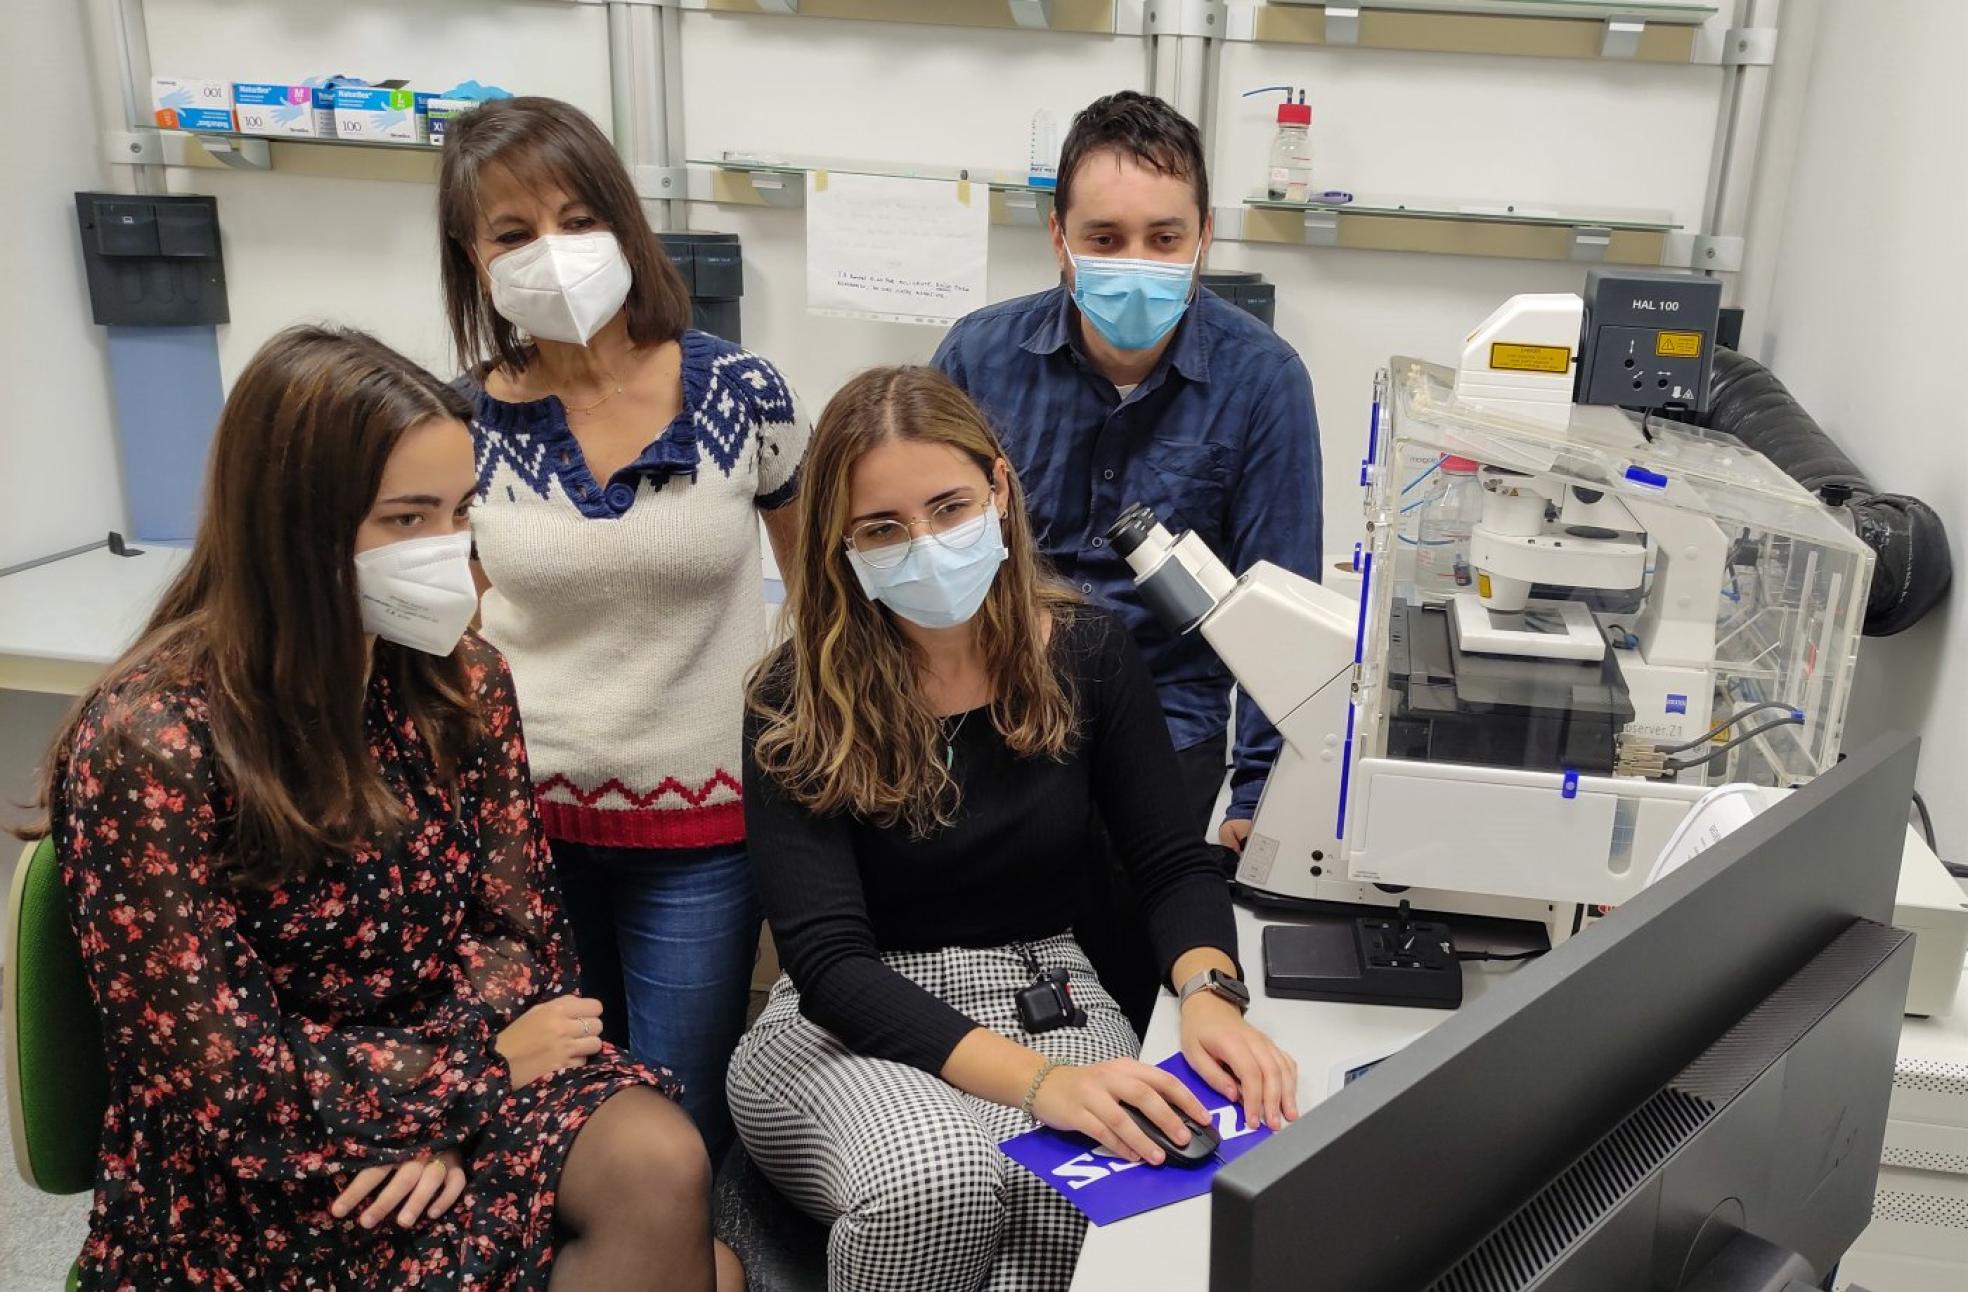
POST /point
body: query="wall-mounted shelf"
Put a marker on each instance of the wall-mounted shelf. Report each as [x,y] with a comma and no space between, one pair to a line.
[1637,32]
[761,180]
[1662,31]
[1095,17]
[1521,231]
[1651,31]
[290,154]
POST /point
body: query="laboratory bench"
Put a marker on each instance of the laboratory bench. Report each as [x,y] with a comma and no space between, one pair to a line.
[1168,1249]
[64,621]
[1921,1226]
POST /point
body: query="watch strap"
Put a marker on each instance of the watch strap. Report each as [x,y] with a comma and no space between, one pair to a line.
[1207,981]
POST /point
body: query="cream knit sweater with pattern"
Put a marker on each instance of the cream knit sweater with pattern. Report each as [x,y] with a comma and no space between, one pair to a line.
[631,609]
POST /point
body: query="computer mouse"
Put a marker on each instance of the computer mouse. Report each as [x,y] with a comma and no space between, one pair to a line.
[1202,1139]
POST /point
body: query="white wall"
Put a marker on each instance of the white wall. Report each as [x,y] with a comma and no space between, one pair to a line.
[59,484]
[1865,327]
[1534,130]
[1563,132]
[874,92]
[1852,233]
[1555,132]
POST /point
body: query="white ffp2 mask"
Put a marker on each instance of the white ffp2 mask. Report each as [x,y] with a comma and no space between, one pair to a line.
[561,287]
[419,592]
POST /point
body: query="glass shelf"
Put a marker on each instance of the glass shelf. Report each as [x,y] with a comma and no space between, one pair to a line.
[330,141]
[776,180]
[1643,31]
[1674,11]
[1435,208]
[996,178]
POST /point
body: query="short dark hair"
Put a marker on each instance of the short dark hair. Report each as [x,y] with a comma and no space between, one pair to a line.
[1139,126]
[545,141]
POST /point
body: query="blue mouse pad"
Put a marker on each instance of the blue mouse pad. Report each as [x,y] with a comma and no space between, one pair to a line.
[1109,1188]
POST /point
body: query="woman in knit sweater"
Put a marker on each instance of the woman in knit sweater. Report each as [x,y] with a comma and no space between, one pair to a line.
[624,461]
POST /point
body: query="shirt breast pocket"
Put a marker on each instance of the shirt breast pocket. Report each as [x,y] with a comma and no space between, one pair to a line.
[1185,486]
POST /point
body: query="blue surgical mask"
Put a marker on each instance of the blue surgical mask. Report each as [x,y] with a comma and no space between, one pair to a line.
[937,586]
[1133,303]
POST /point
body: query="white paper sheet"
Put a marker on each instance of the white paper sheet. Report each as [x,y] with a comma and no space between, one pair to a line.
[900,250]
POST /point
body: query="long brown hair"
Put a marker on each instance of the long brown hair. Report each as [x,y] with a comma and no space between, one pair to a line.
[265,616]
[545,141]
[845,727]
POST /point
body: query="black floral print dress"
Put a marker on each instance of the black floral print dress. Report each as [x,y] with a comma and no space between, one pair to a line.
[266,1044]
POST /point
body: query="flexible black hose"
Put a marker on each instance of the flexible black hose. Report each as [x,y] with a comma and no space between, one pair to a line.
[1911,565]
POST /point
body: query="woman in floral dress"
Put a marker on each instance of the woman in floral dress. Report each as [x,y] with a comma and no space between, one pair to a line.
[299,843]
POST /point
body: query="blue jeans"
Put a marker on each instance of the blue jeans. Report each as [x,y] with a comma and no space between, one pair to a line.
[667,938]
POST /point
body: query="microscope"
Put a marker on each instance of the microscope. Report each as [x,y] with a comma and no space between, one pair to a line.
[1576,616]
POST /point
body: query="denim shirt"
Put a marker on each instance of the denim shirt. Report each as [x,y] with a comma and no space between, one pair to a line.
[1220,438]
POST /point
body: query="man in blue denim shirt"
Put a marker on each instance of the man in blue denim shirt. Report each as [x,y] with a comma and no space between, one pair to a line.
[1128,383]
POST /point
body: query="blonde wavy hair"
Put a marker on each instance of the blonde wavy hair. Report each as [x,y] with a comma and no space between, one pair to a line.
[843,724]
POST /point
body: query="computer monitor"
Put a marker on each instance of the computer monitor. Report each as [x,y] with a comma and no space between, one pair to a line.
[1694,1089]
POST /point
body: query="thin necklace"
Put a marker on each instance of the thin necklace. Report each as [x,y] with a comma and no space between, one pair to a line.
[589,408]
[950,737]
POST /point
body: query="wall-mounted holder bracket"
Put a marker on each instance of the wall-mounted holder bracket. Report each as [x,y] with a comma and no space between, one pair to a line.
[1342,24]
[660,183]
[1025,208]
[1717,254]
[1207,18]
[1622,38]
[133,148]
[1735,46]
[1591,242]
[1749,47]
[777,188]
[1322,228]
[743,185]
[239,154]
[1034,14]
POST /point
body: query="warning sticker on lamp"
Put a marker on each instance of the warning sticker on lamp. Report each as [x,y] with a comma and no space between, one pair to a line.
[1678,345]
[1511,356]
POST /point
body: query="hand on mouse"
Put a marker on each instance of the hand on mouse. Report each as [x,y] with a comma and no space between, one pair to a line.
[1090,1100]
[1238,1061]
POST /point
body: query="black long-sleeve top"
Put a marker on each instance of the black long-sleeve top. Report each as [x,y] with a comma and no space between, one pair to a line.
[839,891]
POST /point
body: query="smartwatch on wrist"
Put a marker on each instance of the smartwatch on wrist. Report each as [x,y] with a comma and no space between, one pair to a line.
[1218,983]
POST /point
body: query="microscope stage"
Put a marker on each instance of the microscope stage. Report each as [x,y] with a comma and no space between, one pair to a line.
[1542,630]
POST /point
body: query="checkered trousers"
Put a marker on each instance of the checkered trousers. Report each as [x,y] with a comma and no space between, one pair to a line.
[904,1166]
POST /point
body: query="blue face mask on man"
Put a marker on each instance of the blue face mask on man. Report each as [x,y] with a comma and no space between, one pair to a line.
[939,584]
[1133,303]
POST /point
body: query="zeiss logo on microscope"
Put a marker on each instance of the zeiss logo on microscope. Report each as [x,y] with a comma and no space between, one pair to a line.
[1677,704]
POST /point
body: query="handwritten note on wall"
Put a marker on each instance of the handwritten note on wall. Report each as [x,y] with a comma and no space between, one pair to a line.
[901,250]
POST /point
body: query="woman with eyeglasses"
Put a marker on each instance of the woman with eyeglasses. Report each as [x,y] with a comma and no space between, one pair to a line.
[924,756]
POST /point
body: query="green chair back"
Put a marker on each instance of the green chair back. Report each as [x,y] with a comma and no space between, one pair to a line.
[57,1081]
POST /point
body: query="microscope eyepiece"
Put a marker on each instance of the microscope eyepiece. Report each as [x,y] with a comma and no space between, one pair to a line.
[1131,530]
